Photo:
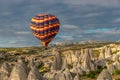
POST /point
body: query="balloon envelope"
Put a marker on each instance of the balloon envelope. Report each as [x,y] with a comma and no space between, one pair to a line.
[45,27]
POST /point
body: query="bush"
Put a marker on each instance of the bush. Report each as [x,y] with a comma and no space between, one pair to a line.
[41,66]
[99,69]
[117,72]
[91,75]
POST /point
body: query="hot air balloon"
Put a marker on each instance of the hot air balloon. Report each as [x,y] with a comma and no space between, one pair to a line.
[45,27]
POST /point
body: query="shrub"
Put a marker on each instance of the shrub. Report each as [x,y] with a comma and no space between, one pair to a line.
[117,72]
[41,66]
[91,75]
[99,69]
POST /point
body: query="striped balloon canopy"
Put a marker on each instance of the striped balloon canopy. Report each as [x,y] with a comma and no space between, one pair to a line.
[45,27]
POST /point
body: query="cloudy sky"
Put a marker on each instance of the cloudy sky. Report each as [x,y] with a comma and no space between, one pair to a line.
[80,20]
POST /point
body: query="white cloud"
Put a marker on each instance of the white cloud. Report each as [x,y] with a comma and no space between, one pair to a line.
[13,42]
[92,14]
[112,32]
[68,26]
[71,29]
[103,3]
[22,32]
[6,13]
[8,3]
[116,12]
[116,20]
[67,37]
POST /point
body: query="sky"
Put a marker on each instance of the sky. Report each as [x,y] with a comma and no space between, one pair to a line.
[80,20]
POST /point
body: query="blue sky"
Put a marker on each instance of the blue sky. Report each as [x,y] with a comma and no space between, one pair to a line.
[80,20]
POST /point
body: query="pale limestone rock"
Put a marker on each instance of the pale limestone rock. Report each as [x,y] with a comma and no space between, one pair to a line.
[68,75]
[19,71]
[108,53]
[87,64]
[34,74]
[82,54]
[102,63]
[65,64]
[76,70]
[70,56]
[111,68]
[59,76]
[50,75]
[117,65]
[102,54]
[77,77]
[31,64]
[104,75]
[4,71]
[116,57]
[57,63]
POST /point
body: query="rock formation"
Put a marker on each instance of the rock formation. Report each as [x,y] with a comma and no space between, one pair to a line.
[77,69]
[68,75]
[57,63]
[104,75]
[4,71]
[31,64]
[87,63]
[111,68]
[117,65]
[19,71]
[71,56]
[77,77]
[65,64]
[34,74]
[108,52]
[59,76]
[50,75]
[102,54]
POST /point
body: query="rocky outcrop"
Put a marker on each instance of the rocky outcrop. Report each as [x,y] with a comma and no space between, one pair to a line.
[50,75]
[71,56]
[102,54]
[77,69]
[108,53]
[19,71]
[101,62]
[63,75]
[81,54]
[57,63]
[34,74]
[4,71]
[111,68]
[116,57]
[104,75]
[68,75]
[59,76]
[31,64]
[87,64]
[77,77]
[65,64]
[117,65]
